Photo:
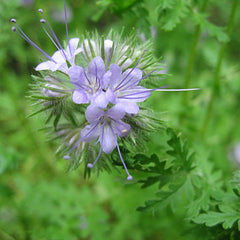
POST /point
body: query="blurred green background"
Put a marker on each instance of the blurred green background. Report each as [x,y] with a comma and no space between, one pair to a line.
[38,199]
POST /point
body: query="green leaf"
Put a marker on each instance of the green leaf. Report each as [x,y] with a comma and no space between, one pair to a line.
[227,218]
[175,177]
[171,14]
[205,25]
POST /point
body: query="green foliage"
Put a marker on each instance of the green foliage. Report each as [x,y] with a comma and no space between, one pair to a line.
[214,31]
[9,159]
[172,12]
[190,194]
[175,177]
[225,211]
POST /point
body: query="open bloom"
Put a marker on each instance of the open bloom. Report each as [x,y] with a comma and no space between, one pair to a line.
[88,84]
[101,87]
[123,90]
[60,58]
[105,126]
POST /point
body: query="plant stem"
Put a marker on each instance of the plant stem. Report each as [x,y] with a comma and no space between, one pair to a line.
[190,64]
[216,78]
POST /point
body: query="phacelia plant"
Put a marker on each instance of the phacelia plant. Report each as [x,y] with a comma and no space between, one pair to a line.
[91,90]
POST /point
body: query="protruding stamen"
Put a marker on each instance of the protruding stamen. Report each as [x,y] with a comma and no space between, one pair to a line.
[119,85]
[134,95]
[177,90]
[50,29]
[90,165]
[43,21]
[26,38]
[120,155]
[65,13]
[129,178]
[83,138]
[85,74]
[132,84]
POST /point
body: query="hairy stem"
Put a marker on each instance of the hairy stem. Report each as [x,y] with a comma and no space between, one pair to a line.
[217,72]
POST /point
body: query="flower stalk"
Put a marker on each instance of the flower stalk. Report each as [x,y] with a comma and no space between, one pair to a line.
[192,55]
[217,72]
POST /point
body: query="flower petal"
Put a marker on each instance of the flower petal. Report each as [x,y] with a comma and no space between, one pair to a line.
[130,78]
[120,128]
[101,100]
[77,76]
[106,79]
[135,94]
[117,112]
[127,106]
[86,48]
[108,44]
[59,57]
[93,113]
[96,68]
[48,65]
[73,43]
[107,141]
[80,97]
[90,132]
[111,96]
[116,75]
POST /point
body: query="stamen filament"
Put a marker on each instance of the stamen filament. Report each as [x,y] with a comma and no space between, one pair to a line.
[53,33]
[85,74]
[81,140]
[27,39]
[90,165]
[120,155]
[144,91]
[45,30]
[136,80]
[97,81]
[177,90]
[119,85]
[65,13]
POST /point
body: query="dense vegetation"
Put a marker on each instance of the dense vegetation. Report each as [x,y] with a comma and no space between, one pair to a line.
[186,178]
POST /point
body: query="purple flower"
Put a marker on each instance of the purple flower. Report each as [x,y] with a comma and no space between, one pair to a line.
[88,84]
[105,126]
[123,90]
[60,58]
[101,88]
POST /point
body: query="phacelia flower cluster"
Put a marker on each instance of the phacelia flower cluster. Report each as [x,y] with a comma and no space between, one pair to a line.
[91,89]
